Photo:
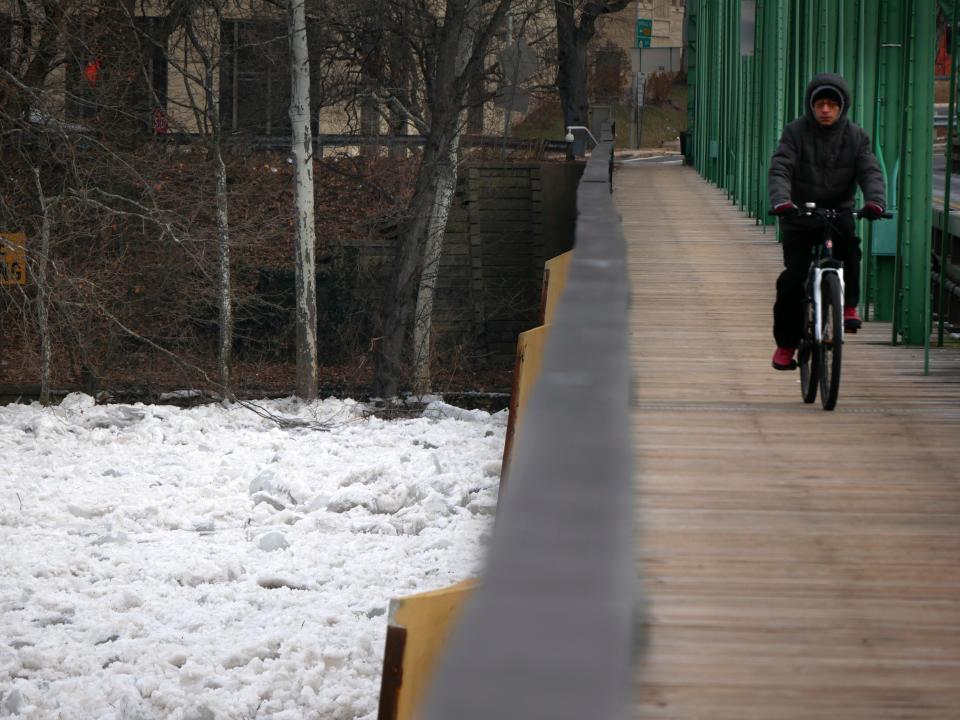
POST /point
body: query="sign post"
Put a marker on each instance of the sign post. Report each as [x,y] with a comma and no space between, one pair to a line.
[641,83]
[13,259]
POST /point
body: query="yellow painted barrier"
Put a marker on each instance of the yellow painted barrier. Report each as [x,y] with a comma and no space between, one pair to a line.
[554,281]
[416,634]
[526,370]
[419,624]
[13,259]
[530,346]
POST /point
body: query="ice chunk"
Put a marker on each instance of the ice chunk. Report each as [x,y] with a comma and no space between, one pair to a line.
[89,512]
[13,703]
[77,401]
[262,497]
[438,410]
[273,540]
[274,582]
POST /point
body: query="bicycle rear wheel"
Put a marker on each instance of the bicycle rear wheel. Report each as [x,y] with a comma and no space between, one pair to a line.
[830,350]
[806,357]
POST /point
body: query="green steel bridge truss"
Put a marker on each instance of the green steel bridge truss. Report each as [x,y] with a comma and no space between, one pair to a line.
[747,81]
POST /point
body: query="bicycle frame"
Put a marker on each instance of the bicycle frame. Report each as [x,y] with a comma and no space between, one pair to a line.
[818,272]
[820,349]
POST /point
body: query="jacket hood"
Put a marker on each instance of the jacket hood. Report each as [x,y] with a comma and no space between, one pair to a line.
[819,80]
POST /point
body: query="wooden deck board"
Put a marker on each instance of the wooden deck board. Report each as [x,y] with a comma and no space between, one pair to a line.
[796,564]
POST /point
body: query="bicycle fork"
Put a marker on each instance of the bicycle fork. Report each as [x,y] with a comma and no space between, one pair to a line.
[818,274]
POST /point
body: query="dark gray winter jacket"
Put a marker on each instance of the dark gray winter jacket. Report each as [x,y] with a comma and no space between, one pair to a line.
[824,165]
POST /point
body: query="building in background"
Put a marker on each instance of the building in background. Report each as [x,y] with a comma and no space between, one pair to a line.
[143,71]
[642,41]
[663,53]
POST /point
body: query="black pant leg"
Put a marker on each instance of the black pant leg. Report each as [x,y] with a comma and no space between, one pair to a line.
[788,308]
[846,248]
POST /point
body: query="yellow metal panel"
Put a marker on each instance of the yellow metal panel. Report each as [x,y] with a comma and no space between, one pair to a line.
[526,370]
[427,619]
[555,279]
[530,346]
[13,259]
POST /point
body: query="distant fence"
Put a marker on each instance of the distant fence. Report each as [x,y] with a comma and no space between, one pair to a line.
[550,630]
[281,143]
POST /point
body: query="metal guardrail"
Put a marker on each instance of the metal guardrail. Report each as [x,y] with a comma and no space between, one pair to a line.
[550,632]
[281,143]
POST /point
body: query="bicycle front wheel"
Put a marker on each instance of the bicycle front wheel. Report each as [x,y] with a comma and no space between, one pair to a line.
[806,356]
[830,349]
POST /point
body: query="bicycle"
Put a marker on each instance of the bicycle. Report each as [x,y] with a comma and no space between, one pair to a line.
[820,351]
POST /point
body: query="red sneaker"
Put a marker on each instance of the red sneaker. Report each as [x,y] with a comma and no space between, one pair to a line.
[851,321]
[783,359]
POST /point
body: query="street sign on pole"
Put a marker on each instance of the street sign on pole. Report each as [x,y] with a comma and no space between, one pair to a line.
[644,32]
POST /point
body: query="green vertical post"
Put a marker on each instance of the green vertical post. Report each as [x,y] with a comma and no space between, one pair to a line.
[899,286]
[692,80]
[888,117]
[916,194]
[839,60]
[948,175]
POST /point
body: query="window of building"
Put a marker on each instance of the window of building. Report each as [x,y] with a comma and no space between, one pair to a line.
[254,77]
[116,72]
[6,41]
[152,35]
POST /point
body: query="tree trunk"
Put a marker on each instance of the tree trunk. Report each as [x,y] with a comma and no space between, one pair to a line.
[400,303]
[305,238]
[43,292]
[572,66]
[400,81]
[572,41]
[460,47]
[223,271]
[224,283]
[446,185]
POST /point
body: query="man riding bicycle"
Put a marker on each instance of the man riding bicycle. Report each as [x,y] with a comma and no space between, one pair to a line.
[821,158]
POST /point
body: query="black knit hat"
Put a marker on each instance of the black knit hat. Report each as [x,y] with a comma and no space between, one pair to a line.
[827,92]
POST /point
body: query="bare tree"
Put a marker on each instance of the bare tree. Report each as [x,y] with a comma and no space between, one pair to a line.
[73,121]
[201,43]
[449,42]
[576,26]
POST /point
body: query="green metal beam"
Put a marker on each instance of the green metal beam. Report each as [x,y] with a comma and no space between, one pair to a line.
[916,190]
[948,176]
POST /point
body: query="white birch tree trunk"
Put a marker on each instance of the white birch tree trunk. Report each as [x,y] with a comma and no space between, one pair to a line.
[305,237]
[43,292]
[464,31]
[223,271]
[446,183]
[446,178]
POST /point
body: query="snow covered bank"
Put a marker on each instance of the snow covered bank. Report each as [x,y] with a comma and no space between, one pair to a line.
[205,563]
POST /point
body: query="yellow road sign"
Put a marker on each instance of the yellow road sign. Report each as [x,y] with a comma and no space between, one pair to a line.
[13,259]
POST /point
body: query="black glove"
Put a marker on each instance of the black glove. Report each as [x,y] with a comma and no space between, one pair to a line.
[871,211]
[784,208]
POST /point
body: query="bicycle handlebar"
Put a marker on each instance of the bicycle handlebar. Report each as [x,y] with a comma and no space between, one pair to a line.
[826,213]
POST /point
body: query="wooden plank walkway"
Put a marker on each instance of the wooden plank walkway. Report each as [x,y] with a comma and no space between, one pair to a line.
[797,564]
